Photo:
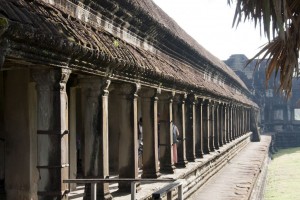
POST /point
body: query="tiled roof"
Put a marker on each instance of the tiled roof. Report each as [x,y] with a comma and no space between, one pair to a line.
[44,26]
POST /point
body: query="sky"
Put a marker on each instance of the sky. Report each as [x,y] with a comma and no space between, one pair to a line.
[210,23]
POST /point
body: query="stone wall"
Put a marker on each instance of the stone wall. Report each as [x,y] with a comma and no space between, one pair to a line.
[287,139]
[19,130]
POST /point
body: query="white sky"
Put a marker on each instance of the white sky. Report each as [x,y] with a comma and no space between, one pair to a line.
[210,23]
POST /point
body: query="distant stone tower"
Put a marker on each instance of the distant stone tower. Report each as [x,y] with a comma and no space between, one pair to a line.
[237,62]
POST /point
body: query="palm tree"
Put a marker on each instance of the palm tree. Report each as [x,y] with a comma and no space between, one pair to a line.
[279,20]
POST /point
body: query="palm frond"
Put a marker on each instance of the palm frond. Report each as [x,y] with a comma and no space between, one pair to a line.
[280,22]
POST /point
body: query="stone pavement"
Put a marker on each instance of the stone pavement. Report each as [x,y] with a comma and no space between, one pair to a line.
[236,180]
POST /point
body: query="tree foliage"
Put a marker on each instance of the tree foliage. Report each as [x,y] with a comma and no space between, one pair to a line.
[279,20]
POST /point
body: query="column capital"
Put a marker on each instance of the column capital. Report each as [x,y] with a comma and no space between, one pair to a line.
[201,100]
[180,97]
[96,85]
[51,79]
[191,97]
[167,95]
[146,92]
[128,89]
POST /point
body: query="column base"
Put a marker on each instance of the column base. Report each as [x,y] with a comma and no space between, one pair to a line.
[206,149]
[181,164]
[126,187]
[167,169]
[199,154]
[191,159]
[211,144]
[150,174]
[217,146]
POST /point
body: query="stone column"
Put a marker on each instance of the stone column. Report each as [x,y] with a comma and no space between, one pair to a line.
[73,136]
[216,126]
[237,121]
[94,98]
[235,124]
[221,124]
[150,132]
[199,124]
[179,120]
[52,132]
[246,120]
[240,133]
[232,123]
[243,120]
[206,126]
[128,128]
[190,128]
[249,119]
[212,127]
[226,138]
[165,132]
[231,136]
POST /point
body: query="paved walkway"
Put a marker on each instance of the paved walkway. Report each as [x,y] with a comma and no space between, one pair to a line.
[235,180]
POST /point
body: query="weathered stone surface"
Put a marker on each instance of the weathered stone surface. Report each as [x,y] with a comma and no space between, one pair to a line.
[67,39]
[237,179]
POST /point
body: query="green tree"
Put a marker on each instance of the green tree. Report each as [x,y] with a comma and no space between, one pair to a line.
[279,20]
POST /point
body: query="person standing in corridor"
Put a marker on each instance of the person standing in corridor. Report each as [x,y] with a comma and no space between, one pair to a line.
[175,132]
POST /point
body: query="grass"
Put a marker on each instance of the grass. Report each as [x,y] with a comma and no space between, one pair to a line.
[283,181]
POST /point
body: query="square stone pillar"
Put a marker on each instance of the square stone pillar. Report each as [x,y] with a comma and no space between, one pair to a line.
[235,122]
[249,119]
[179,119]
[239,120]
[212,126]
[165,132]
[231,136]
[94,99]
[190,128]
[199,132]
[206,126]
[221,124]
[150,132]
[128,128]
[216,126]
[226,132]
[52,132]
[242,120]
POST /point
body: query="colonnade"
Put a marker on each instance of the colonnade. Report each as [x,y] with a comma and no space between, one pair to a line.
[87,126]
